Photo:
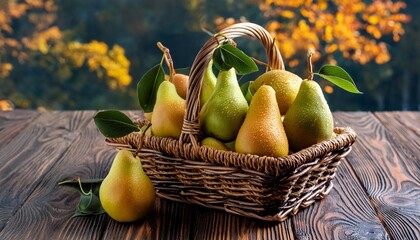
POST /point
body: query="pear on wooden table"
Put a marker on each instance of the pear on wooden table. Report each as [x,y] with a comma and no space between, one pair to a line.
[168,112]
[126,193]
[222,115]
[309,120]
[262,132]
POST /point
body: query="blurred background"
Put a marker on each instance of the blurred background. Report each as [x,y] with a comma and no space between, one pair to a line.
[78,54]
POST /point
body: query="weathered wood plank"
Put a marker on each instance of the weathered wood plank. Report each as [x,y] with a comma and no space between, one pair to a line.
[345,213]
[169,220]
[31,154]
[51,207]
[12,122]
[392,184]
[212,224]
[405,129]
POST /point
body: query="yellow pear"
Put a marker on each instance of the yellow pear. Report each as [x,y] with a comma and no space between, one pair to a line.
[222,115]
[285,83]
[213,143]
[126,193]
[148,115]
[309,119]
[181,84]
[168,112]
[262,132]
[208,84]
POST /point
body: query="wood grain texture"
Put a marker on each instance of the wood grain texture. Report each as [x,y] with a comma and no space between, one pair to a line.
[345,213]
[31,154]
[12,122]
[169,220]
[51,207]
[212,224]
[389,180]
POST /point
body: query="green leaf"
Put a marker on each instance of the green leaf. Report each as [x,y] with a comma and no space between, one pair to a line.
[147,87]
[114,124]
[227,56]
[246,91]
[89,203]
[339,77]
[219,60]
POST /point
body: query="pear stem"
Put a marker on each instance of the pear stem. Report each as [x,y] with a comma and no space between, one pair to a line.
[226,38]
[81,188]
[310,65]
[168,60]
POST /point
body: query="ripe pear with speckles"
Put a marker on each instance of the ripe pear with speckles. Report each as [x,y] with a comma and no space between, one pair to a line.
[222,115]
[309,119]
[168,112]
[262,132]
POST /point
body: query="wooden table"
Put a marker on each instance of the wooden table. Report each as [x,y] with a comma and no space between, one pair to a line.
[376,192]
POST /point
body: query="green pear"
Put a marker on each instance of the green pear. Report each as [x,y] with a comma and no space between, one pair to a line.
[168,112]
[262,132]
[285,83]
[222,115]
[126,193]
[208,84]
[231,145]
[213,143]
[309,119]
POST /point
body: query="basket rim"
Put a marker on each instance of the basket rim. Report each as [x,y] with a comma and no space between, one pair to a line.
[273,166]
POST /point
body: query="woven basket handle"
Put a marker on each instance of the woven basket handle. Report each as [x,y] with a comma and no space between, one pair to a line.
[191,127]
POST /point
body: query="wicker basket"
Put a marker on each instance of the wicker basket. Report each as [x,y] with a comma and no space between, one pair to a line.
[260,187]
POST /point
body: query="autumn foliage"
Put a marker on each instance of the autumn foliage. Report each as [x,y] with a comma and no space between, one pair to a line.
[353,27]
[42,37]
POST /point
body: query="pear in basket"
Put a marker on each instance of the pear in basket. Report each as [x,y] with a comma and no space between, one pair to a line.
[223,114]
[209,82]
[262,132]
[285,83]
[168,112]
[309,119]
[181,84]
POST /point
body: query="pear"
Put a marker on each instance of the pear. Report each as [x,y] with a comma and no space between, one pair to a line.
[222,115]
[181,84]
[126,193]
[148,115]
[262,132]
[309,119]
[168,112]
[214,143]
[208,84]
[285,83]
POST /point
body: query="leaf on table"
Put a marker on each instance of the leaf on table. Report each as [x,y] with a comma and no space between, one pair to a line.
[338,77]
[114,124]
[89,203]
[147,87]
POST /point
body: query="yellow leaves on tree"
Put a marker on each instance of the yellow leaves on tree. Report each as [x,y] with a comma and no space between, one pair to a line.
[111,63]
[353,27]
[47,39]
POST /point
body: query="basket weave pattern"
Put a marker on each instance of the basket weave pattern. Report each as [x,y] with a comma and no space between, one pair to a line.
[260,187]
